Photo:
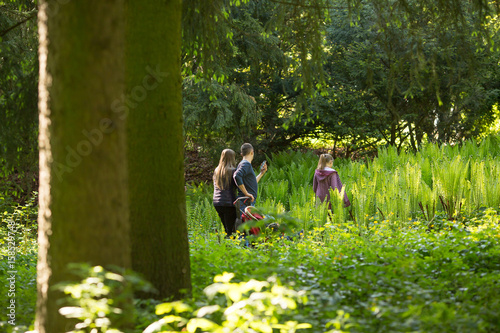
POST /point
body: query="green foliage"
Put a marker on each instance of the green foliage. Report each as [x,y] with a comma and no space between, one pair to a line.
[291,178]
[399,184]
[101,301]
[24,215]
[398,187]
[402,74]
[252,306]
[201,216]
[18,250]
[269,60]
[211,109]
[25,293]
[394,270]
[372,72]
[18,96]
[391,278]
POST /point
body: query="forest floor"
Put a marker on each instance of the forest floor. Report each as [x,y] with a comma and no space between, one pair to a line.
[198,166]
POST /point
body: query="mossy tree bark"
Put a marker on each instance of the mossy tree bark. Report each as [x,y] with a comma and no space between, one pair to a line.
[160,249]
[83,208]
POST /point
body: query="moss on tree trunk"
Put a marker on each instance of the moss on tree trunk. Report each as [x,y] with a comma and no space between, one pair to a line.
[83,213]
[160,249]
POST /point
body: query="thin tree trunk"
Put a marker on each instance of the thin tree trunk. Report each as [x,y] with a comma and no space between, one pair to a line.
[412,137]
[393,132]
[160,249]
[83,207]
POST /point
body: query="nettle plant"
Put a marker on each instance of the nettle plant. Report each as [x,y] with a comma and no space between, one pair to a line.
[251,306]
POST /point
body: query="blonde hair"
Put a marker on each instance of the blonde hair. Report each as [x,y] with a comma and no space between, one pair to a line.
[224,171]
[323,160]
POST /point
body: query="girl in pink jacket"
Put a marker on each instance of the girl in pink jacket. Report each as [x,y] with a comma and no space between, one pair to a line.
[325,178]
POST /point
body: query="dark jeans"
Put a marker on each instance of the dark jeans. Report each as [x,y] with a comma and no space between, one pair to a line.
[227,215]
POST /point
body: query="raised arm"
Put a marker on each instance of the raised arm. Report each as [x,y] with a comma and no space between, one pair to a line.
[262,172]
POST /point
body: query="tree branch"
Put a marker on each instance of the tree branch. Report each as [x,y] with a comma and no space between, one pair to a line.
[3,33]
[300,4]
[368,107]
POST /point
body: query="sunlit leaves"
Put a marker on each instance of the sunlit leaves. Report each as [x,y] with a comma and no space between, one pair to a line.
[101,300]
[178,307]
[252,306]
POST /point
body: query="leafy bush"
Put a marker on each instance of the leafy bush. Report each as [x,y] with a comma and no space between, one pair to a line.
[393,278]
[252,306]
[102,300]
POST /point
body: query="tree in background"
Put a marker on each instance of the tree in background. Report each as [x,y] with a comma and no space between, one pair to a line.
[260,82]
[394,72]
[160,249]
[18,96]
[412,78]
[83,196]
[249,70]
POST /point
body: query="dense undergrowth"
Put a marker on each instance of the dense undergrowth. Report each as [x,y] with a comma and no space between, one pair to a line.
[387,280]
[18,228]
[391,265]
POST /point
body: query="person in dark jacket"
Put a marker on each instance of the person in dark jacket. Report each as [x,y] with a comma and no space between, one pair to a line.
[224,190]
[326,178]
[245,177]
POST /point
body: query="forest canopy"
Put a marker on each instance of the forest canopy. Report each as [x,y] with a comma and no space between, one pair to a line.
[398,73]
[353,75]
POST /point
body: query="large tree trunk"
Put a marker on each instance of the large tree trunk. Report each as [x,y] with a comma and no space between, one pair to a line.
[160,249]
[83,212]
